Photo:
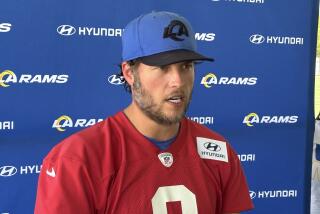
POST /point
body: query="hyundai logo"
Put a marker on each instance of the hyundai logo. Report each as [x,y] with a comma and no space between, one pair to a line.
[66,30]
[252,194]
[257,39]
[7,171]
[212,147]
[116,80]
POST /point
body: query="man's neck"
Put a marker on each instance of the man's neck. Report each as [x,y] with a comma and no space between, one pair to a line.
[149,127]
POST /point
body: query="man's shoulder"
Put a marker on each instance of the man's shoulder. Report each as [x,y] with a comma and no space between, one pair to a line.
[206,138]
[87,143]
[199,129]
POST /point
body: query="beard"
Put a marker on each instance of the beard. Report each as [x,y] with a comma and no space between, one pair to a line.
[154,111]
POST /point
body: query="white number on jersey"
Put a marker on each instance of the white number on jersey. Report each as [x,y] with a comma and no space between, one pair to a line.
[174,193]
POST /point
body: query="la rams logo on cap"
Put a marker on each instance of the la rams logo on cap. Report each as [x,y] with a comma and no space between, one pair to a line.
[176,30]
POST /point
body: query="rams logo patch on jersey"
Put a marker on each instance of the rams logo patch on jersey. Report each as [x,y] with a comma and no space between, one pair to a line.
[212,149]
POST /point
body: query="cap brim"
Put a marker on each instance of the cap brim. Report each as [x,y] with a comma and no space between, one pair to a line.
[171,57]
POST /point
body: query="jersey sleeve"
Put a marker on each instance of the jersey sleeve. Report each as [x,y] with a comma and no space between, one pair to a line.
[236,197]
[65,186]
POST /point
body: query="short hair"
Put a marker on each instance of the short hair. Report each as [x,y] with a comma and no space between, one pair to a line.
[132,63]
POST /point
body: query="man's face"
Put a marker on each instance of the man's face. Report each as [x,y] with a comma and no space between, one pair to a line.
[163,93]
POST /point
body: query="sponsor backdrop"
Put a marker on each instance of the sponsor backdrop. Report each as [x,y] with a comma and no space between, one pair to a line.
[58,63]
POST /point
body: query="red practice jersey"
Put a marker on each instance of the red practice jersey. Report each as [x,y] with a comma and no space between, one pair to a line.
[111,168]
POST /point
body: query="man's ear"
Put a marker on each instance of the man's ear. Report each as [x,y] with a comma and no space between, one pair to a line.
[127,73]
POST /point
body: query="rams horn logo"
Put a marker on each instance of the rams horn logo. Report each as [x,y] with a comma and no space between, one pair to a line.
[175,30]
[208,80]
[58,121]
[4,73]
[248,118]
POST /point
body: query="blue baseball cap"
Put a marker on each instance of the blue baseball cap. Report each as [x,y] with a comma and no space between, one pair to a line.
[160,38]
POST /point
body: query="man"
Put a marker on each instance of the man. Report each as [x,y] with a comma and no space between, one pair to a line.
[148,158]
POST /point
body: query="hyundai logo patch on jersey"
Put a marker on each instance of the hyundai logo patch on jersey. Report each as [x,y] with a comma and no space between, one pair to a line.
[166,159]
[212,149]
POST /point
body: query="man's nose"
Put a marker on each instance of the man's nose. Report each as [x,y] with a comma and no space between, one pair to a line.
[176,77]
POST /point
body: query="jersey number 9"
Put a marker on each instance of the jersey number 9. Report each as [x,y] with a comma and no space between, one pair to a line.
[174,193]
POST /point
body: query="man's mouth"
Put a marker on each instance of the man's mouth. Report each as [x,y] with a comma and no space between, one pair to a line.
[175,99]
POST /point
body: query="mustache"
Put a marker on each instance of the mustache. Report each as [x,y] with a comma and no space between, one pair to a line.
[176,93]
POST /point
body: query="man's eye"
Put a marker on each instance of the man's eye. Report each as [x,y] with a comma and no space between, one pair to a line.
[162,67]
[188,66]
[158,67]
